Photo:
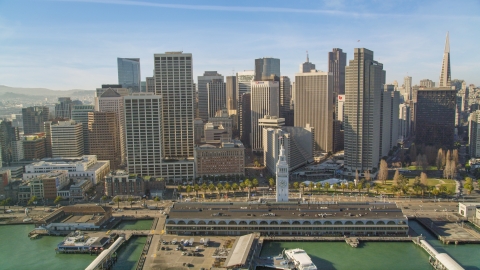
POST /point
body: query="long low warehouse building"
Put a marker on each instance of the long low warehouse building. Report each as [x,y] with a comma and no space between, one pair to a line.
[289,218]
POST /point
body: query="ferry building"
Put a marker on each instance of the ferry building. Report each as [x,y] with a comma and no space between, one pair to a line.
[287,218]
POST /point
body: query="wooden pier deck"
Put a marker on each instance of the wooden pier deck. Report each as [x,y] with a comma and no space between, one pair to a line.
[450,232]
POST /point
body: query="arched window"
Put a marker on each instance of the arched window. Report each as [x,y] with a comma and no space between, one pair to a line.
[191,222]
[253,223]
[171,222]
[201,222]
[263,222]
[359,223]
[181,222]
[296,222]
[327,223]
[273,223]
[211,222]
[307,223]
[285,223]
[370,222]
[380,223]
[391,222]
[348,223]
[222,223]
[338,223]
[242,222]
[318,222]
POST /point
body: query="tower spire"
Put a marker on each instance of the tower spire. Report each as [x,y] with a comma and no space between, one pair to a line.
[445,76]
[447,44]
[307,58]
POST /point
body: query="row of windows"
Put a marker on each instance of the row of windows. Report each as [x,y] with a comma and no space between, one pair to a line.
[273,222]
[269,228]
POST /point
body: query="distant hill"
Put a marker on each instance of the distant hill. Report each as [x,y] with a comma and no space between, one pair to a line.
[44,91]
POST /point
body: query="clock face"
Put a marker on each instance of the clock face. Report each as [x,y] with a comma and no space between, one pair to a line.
[283,184]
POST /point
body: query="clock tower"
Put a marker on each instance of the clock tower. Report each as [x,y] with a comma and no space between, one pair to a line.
[282,177]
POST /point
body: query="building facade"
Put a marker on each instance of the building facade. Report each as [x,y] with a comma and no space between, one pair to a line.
[474,134]
[80,115]
[337,61]
[104,137]
[129,73]
[174,82]
[226,158]
[264,101]
[217,97]
[63,109]
[435,117]
[33,119]
[314,105]
[364,80]
[267,69]
[203,91]
[34,146]
[67,139]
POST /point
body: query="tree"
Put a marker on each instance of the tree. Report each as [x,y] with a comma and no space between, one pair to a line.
[327,186]
[435,192]
[156,199]
[188,190]
[296,185]
[376,187]
[351,186]
[367,186]
[117,200]
[271,182]
[8,201]
[356,177]
[32,199]
[359,187]
[248,185]
[204,188]
[255,183]
[417,185]
[3,203]
[343,186]
[383,171]
[455,156]
[179,188]
[227,187]
[424,179]
[130,200]
[440,158]
[335,187]
[302,185]
[219,188]
[59,198]
[311,186]
[468,187]
[396,177]
[234,188]
[367,175]
[211,187]
[196,188]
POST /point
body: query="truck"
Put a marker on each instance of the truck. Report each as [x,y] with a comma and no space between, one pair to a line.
[190,242]
[206,242]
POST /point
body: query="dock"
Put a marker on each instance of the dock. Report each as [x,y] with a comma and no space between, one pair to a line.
[34,236]
[440,261]
[352,241]
[450,232]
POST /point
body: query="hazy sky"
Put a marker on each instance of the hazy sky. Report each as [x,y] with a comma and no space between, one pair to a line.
[73,44]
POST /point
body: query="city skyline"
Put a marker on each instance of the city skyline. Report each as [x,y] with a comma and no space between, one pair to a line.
[55,48]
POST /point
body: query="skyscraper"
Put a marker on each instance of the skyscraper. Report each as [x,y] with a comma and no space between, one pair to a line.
[364,79]
[445,76]
[474,134]
[112,101]
[63,109]
[33,119]
[208,76]
[244,82]
[143,132]
[150,85]
[435,116]
[407,85]
[306,66]
[67,139]
[337,61]
[314,105]
[217,96]
[80,115]
[285,97]
[104,137]
[231,87]
[267,69]
[129,73]
[389,111]
[245,117]
[8,136]
[174,82]
[264,101]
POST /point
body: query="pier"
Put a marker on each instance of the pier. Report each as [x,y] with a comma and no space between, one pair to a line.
[450,232]
[439,261]
[108,257]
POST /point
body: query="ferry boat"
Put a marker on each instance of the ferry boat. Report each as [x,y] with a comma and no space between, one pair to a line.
[300,258]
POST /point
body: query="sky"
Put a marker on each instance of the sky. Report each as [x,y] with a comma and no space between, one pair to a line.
[73,44]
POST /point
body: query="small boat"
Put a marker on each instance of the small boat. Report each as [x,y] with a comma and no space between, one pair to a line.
[301,259]
[27,220]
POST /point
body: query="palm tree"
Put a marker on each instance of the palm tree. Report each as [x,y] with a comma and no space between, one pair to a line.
[367,186]
[7,201]
[219,188]
[188,190]
[196,188]
[204,188]
[130,200]
[211,187]
[296,185]
[302,185]
[376,187]
[335,187]
[234,188]
[3,203]
[156,199]
[117,200]
[248,185]
[103,199]
[32,199]
[343,186]
[351,186]
[311,186]
[326,186]
[255,183]
[59,198]
[227,187]
[359,187]
[271,182]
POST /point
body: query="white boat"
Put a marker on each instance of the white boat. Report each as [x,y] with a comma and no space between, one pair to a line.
[27,220]
[301,259]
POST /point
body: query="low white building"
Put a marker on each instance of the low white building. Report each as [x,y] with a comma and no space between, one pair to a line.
[468,210]
[83,167]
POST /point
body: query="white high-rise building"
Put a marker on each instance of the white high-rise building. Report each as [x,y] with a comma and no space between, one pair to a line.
[112,101]
[174,82]
[244,82]
[143,129]
[203,95]
[67,139]
[407,85]
[282,177]
[314,105]
[389,111]
[264,101]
